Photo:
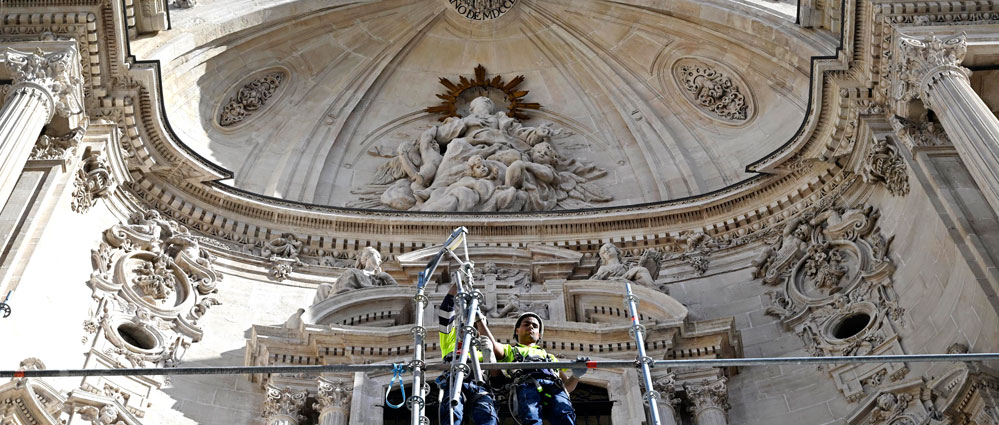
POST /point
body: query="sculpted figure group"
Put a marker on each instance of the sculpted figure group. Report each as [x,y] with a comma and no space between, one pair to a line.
[490,162]
[368,273]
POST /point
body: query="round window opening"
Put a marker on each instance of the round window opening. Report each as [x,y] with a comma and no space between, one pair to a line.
[136,336]
[851,325]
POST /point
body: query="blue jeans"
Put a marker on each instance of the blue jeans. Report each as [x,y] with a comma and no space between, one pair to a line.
[474,399]
[553,405]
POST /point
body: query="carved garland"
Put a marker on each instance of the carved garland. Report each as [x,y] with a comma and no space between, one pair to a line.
[250,98]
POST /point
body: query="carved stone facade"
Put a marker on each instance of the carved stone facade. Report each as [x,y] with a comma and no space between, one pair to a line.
[775,184]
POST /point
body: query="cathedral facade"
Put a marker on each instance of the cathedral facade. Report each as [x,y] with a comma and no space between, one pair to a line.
[216,183]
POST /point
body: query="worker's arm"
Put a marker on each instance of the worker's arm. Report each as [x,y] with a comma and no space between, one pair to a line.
[499,349]
[577,372]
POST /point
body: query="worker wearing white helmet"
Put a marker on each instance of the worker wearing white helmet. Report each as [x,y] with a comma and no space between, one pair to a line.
[540,393]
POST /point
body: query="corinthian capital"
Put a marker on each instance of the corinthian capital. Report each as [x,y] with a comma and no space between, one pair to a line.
[56,73]
[707,395]
[923,62]
[333,395]
[283,403]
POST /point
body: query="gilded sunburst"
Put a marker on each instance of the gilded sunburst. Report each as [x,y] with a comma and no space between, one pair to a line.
[457,96]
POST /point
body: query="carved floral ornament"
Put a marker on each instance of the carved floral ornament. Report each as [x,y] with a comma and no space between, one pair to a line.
[153,283]
[251,97]
[56,73]
[835,291]
[923,62]
[714,89]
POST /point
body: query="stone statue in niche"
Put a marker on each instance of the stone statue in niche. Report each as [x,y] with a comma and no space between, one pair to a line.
[366,274]
[612,267]
[514,306]
[490,162]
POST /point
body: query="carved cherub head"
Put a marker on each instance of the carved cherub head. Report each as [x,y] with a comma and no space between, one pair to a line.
[477,167]
[543,153]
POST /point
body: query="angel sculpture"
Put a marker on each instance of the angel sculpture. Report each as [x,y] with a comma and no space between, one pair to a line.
[490,162]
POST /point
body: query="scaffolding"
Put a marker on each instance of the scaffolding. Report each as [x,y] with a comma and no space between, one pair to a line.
[469,299]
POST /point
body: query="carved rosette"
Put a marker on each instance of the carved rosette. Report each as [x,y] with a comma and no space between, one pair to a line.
[284,406]
[923,62]
[250,98]
[333,397]
[714,89]
[708,396]
[53,74]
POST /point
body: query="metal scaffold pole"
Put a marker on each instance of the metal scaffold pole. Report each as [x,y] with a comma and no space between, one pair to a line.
[417,402]
[644,361]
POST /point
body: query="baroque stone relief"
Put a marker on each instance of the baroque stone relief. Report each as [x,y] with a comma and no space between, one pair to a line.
[250,97]
[835,291]
[643,271]
[714,89]
[93,181]
[152,283]
[482,160]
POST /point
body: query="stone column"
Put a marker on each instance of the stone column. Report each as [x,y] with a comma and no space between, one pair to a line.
[709,402]
[283,407]
[930,70]
[44,84]
[666,387]
[333,402]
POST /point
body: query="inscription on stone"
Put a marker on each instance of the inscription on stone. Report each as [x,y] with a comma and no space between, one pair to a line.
[481,10]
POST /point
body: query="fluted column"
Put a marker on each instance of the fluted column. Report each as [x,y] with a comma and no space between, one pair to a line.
[930,69]
[666,387]
[709,402]
[282,406]
[333,402]
[44,84]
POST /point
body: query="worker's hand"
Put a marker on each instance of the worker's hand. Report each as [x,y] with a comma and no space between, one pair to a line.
[580,368]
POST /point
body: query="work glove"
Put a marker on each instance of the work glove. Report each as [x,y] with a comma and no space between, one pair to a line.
[485,347]
[581,369]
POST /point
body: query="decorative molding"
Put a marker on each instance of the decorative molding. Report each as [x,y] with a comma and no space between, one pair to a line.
[922,62]
[707,396]
[885,164]
[93,181]
[283,403]
[333,395]
[152,282]
[250,98]
[714,90]
[56,73]
[51,147]
[835,291]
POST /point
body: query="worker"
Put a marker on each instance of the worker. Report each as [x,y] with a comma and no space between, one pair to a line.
[539,393]
[475,399]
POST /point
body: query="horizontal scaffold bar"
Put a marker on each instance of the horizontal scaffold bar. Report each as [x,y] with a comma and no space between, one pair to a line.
[609,364]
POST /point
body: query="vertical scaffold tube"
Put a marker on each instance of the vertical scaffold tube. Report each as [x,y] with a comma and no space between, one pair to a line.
[470,302]
[417,402]
[644,361]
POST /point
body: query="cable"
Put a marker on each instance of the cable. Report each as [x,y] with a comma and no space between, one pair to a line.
[610,364]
